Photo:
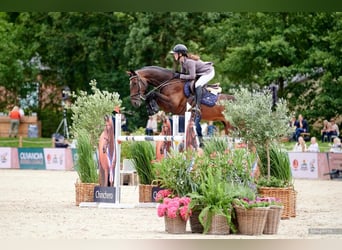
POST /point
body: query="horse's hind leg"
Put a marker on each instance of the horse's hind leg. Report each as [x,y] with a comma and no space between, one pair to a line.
[227,127]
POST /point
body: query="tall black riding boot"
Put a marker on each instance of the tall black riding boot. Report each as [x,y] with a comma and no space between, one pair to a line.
[198,98]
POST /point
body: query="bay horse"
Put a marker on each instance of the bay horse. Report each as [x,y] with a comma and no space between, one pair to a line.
[107,156]
[168,93]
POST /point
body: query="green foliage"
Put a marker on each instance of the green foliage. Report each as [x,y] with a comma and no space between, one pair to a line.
[215,197]
[86,166]
[142,153]
[174,172]
[215,144]
[88,111]
[280,169]
[252,116]
[255,118]
[50,119]
[272,182]
[248,49]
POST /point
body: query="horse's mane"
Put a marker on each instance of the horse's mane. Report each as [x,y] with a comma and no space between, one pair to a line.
[157,68]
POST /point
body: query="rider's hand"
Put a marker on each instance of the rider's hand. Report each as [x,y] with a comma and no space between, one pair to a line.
[176,75]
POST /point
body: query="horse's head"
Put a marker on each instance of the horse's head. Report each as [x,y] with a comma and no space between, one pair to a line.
[108,133]
[137,86]
[139,81]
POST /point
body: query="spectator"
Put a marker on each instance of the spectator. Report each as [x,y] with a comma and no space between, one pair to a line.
[293,128]
[325,130]
[336,147]
[313,147]
[333,131]
[300,146]
[15,121]
[301,126]
[151,126]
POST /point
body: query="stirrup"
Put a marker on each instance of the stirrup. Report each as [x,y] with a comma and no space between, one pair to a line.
[197,110]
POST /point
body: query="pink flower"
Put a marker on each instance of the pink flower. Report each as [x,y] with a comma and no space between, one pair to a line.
[162,208]
[173,207]
[163,194]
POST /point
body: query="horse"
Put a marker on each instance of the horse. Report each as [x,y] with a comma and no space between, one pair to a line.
[169,94]
[107,155]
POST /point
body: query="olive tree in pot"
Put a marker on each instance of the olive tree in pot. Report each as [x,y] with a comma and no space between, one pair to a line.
[257,120]
[262,123]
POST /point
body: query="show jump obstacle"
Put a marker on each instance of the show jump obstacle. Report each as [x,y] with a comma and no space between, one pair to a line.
[118,139]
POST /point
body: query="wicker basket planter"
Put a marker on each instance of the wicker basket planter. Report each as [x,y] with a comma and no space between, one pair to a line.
[273,220]
[286,195]
[175,225]
[145,193]
[195,225]
[84,192]
[251,221]
[219,225]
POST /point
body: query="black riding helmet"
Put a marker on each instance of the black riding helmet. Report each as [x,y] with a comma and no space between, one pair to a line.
[181,49]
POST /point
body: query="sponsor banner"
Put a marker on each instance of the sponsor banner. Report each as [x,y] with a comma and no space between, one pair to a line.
[55,158]
[31,158]
[304,165]
[104,194]
[5,158]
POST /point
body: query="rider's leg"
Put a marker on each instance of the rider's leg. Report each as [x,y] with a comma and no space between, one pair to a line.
[198,97]
[204,79]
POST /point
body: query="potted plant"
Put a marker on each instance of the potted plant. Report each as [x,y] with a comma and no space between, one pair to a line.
[174,209]
[176,172]
[142,155]
[261,122]
[280,182]
[86,168]
[253,215]
[214,197]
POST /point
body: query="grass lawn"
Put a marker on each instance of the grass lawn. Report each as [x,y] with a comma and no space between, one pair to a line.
[323,146]
[26,142]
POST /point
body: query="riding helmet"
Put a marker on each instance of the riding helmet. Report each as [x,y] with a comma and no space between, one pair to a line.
[180,48]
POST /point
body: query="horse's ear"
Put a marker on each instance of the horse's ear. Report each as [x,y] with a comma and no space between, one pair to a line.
[131,73]
[106,118]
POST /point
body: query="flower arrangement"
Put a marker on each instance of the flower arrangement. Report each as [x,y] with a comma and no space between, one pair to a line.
[173,206]
[257,202]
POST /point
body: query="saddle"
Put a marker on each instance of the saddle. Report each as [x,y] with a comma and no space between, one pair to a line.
[210,92]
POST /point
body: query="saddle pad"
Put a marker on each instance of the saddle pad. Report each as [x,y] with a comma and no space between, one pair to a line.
[208,98]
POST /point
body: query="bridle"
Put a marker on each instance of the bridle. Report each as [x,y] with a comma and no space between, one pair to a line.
[140,84]
[145,84]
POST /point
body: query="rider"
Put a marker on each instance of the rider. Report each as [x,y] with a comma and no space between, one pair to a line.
[192,67]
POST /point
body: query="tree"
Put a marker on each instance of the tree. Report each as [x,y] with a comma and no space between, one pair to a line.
[255,120]
[16,67]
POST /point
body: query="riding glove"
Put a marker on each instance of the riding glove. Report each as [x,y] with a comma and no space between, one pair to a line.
[176,75]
